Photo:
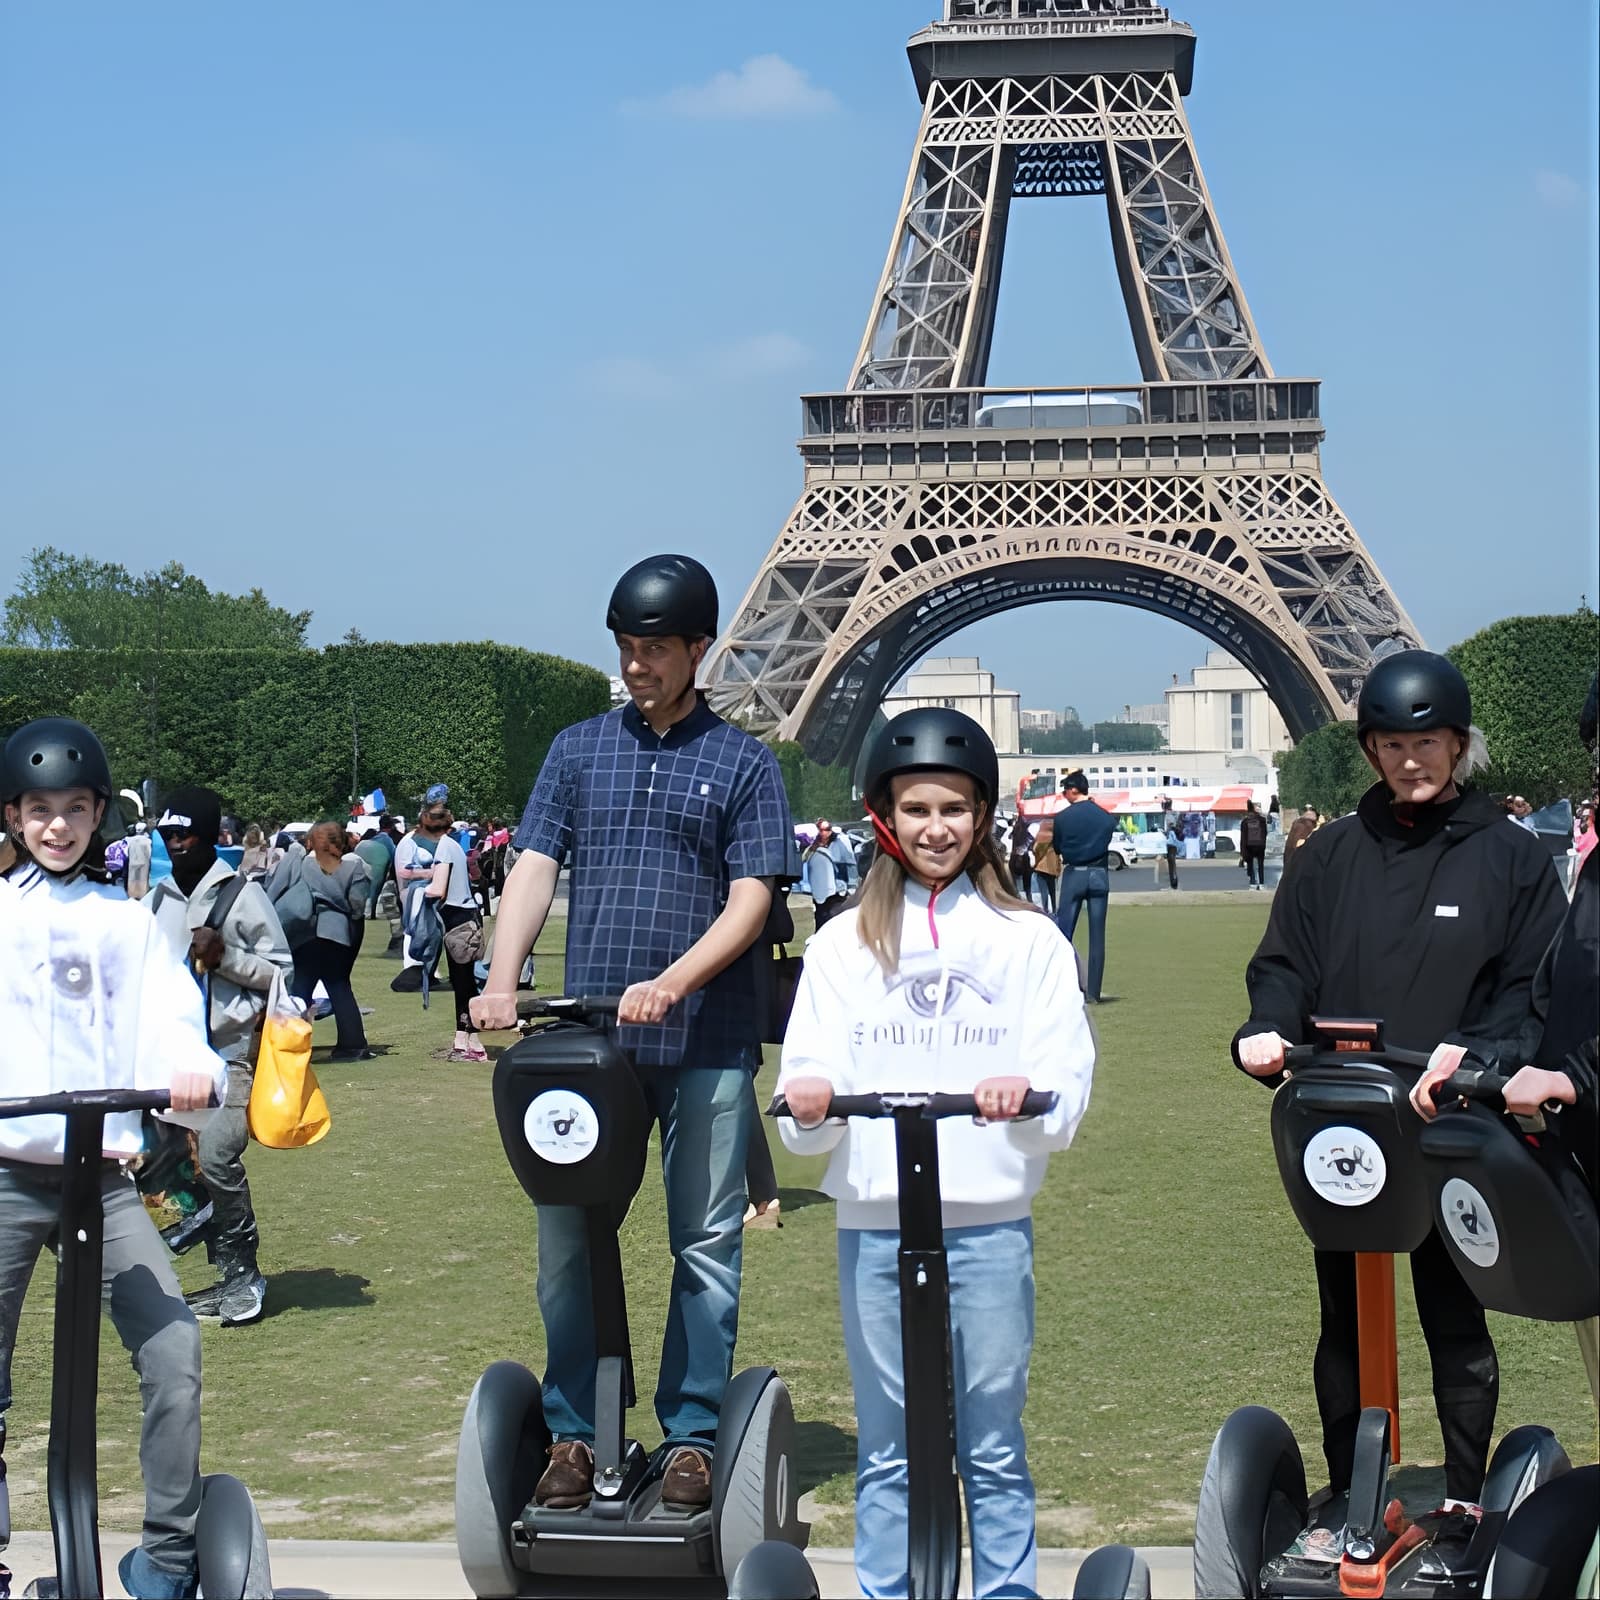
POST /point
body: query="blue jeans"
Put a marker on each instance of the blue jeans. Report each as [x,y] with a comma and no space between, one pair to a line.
[1091,885]
[706,1115]
[991,1337]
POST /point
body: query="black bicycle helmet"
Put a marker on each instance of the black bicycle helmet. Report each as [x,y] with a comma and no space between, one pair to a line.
[1413,691]
[664,595]
[54,753]
[928,739]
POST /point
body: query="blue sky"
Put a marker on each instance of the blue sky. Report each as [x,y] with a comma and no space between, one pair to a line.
[432,318]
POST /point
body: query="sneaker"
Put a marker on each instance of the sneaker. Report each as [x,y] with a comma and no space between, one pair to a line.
[143,1579]
[243,1299]
[686,1483]
[765,1215]
[568,1482]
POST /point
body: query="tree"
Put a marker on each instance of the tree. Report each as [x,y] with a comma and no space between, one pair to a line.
[1073,739]
[812,790]
[75,602]
[1326,770]
[1529,677]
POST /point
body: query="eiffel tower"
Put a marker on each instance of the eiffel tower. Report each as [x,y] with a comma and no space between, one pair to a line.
[931,501]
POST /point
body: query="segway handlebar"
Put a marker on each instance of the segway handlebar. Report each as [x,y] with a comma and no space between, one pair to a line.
[110,1101]
[1305,1055]
[575,1008]
[1035,1103]
[1487,1088]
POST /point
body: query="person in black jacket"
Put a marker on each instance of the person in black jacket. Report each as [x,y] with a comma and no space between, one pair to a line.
[1423,909]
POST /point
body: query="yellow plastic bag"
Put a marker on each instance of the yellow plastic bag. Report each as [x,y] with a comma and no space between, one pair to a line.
[287,1108]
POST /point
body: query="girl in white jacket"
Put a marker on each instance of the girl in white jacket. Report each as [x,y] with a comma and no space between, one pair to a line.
[93,997]
[942,980]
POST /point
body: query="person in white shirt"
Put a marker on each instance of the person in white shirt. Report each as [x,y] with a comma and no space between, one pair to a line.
[93,997]
[939,979]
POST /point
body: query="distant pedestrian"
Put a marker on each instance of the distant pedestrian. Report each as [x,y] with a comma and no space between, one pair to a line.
[327,954]
[1047,864]
[1300,830]
[1020,858]
[450,887]
[828,871]
[1208,836]
[1171,831]
[1253,845]
[377,850]
[1522,813]
[139,862]
[253,863]
[1082,836]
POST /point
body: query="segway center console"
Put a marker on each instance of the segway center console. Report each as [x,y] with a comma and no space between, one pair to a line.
[933,1523]
[230,1544]
[1364,1173]
[575,1127]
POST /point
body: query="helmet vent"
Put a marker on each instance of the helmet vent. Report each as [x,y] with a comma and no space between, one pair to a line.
[1421,708]
[956,741]
[37,758]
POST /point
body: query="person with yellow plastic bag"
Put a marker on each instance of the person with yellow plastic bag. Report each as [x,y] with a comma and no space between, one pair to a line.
[287,1107]
[229,933]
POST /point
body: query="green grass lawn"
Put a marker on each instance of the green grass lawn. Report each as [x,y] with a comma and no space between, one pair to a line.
[1173,1284]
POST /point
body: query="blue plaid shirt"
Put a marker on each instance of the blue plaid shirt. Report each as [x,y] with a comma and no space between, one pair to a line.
[658,827]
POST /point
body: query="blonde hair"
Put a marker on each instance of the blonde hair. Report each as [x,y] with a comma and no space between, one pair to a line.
[880,909]
[1474,755]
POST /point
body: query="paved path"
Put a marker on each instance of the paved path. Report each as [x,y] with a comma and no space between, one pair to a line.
[351,1569]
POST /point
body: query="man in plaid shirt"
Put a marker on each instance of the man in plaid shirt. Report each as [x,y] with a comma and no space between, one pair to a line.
[677,827]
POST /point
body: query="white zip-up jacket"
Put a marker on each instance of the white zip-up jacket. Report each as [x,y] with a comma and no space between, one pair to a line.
[980,993]
[91,997]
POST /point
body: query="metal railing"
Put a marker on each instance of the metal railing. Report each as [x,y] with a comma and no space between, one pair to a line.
[1270,402]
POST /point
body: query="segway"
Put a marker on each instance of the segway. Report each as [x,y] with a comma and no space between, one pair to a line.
[230,1545]
[933,1521]
[1355,1162]
[575,1127]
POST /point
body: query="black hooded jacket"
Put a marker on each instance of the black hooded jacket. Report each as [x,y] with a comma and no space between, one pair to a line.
[1437,928]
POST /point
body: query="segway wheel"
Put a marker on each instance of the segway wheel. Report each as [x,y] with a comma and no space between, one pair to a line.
[1252,1504]
[230,1543]
[1549,1540]
[1113,1572]
[753,1495]
[1526,1459]
[774,1571]
[498,1462]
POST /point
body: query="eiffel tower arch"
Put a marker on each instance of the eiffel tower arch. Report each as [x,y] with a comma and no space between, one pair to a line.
[931,500]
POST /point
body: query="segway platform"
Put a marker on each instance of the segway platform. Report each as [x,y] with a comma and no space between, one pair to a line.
[575,1128]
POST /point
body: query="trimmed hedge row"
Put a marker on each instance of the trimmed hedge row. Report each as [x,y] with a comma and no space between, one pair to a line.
[275,731]
[1529,677]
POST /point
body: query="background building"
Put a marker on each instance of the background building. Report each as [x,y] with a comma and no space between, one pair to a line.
[959,684]
[1039,721]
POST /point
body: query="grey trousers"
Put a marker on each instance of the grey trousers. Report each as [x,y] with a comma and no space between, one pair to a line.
[157,1329]
[221,1144]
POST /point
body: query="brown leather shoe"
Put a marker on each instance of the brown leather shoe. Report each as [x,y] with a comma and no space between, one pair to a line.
[687,1480]
[568,1482]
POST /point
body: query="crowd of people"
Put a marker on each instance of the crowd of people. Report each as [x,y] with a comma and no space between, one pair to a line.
[933,968]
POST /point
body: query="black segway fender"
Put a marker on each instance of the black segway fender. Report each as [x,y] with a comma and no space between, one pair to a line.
[1113,1572]
[753,1496]
[1252,1504]
[774,1571]
[502,1452]
[230,1543]
[1548,1540]
[1527,1458]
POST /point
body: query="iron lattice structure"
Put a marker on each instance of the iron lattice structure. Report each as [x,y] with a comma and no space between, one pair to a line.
[931,500]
